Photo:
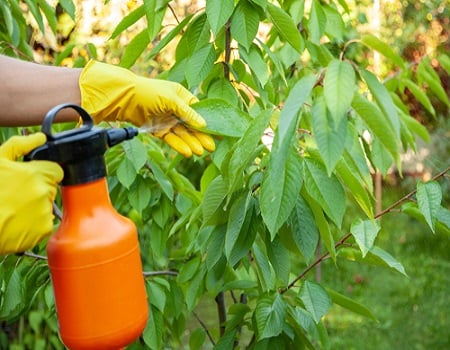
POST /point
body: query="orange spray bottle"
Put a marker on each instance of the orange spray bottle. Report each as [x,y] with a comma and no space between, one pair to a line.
[94,256]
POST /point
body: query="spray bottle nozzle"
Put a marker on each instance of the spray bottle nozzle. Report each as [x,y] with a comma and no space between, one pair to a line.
[116,136]
[79,151]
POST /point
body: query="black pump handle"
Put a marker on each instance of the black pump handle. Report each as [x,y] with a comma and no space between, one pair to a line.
[88,122]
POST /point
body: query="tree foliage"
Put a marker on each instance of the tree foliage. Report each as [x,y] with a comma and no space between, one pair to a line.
[301,123]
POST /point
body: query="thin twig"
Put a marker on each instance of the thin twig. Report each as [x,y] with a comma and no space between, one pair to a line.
[160,273]
[35,256]
[211,339]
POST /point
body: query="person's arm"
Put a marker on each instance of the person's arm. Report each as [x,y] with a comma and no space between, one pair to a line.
[29,90]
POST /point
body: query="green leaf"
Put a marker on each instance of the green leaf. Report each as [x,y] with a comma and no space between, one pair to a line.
[256,64]
[69,7]
[352,180]
[275,60]
[327,191]
[335,26]
[376,256]
[376,44]
[304,228]
[139,194]
[195,288]
[50,14]
[200,64]
[213,198]
[429,197]
[383,99]
[316,300]
[269,316]
[134,49]
[289,119]
[169,37]
[279,258]
[365,232]
[240,233]
[128,21]
[196,36]
[126,172]
[218,12]
[329,134]
[154,12]
[322,224]
[188,270]
[279,190]
[380,157]
[244,24]
[136,152]
[427,74]
[12,301]
[162,179]
[265,273]
[35,11]
[7,17]
[378,253]
[153,333]
[339,88]
[444,61]
[378,125]
[350,304]
[243,152]
[414,126]
[285,27]
[316,22]
[222,118]
[420,95]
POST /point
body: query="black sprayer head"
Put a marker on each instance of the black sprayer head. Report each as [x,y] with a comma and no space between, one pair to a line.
[80,151]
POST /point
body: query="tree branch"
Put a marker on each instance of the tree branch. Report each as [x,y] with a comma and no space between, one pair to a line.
[221,310]
[342,241]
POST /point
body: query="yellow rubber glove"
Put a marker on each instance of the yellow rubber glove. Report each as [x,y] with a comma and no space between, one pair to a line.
[114,93]
[27,192]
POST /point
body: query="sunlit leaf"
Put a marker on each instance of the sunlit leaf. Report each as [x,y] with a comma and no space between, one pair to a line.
[244,24]
[222,118]
[316,22]
[134,49]
[199,64]
[218,13]
[286,27]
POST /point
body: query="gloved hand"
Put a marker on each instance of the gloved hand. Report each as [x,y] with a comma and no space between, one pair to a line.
[27,192]
[113,93]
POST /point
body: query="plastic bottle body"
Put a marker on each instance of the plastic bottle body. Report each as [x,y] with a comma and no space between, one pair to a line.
[96,271]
